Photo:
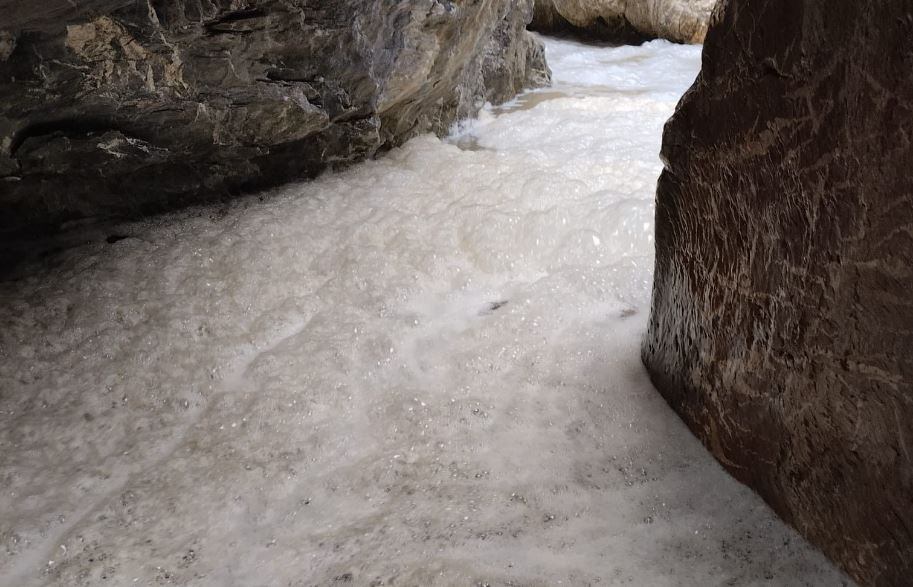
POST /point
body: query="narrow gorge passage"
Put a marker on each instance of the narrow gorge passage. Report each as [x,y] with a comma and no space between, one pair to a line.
[420,371]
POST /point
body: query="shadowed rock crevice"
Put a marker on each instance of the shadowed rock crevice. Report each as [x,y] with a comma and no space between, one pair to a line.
[782,321]
[112,108]
[615,29]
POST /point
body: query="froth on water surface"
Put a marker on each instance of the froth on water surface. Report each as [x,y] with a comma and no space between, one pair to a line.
[420,371]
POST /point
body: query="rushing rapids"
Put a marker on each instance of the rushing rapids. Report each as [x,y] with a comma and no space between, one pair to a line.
[423,370]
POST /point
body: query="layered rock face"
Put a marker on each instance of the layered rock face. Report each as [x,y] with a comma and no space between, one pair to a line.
[782,325]
[683,21]
[111,107]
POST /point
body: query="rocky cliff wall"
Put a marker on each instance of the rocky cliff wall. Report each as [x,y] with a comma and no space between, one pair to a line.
[782,324]
[113,107]
[683,21]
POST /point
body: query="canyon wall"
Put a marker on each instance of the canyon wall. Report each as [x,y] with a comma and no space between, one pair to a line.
[682,21]
[114,107]
[782,323]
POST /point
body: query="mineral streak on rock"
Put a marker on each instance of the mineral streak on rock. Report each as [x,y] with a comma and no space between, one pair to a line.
[782,322]
[112,107]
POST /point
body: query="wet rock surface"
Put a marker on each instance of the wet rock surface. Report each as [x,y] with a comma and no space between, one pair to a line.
[683,21]
[782,321]
[110,107]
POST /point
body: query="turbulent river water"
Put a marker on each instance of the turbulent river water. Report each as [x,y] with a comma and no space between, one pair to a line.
[421,371]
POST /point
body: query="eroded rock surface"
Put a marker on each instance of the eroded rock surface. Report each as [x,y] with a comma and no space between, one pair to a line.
[684,21]
[120,107]
[782,324]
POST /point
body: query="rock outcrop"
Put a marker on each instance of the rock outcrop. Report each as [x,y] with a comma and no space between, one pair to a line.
[782,324]
[683,21]
[120,107]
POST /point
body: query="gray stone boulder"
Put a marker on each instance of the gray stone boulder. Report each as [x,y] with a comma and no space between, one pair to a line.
[114,107]
[782,322]
[683,21]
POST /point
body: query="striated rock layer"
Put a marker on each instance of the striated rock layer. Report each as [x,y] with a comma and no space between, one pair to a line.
[782,326]
[112,107]
[683,21]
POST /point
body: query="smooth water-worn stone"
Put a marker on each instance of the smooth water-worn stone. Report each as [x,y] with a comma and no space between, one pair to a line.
[114,107]
[683,21]
[782,324]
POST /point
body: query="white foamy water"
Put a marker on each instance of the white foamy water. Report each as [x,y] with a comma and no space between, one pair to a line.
[421,371]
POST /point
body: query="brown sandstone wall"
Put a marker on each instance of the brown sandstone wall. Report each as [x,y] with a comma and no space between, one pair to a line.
[782,325]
